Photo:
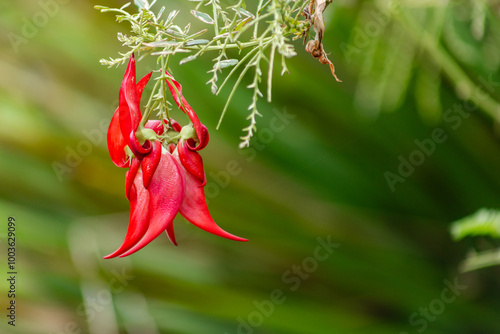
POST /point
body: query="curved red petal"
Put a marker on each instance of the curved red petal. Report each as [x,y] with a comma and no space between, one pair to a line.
[130,176]
[139,150]
[186,108]
[157,126]
[139,216]
[170,233]
[150,163]
[166,191]
[175,125]
[116,142]
[194,208]
[191,161]
[203,141]
[129,111]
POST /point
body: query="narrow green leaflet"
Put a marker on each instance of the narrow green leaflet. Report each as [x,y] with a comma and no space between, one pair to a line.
[485,222]
[140,4]
[202,17]
[245,12]
[226,63]
[197,42]
[187,59]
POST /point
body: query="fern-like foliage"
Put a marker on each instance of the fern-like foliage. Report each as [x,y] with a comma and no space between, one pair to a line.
[485,222]
[260,36]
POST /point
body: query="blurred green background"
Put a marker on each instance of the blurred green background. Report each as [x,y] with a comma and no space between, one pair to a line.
[407,79]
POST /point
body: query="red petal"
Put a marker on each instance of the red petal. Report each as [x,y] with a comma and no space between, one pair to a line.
[130,114]
[203,141]
[175,125]
[166,191]
[130,176]
[186,108]
[116,142]
[170,233]
[157,126]
[191,161]
[150,162]
[194,208]
[139,150]
[139,216]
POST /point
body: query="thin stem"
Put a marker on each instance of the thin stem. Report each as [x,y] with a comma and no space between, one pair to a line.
[270,74]
[216,17]
[301,9]
[149,107]
[257,15]
[241,62]
[237,83]
[164,68]
[228,46]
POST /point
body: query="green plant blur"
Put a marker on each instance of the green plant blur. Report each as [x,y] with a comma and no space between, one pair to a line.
[380,165]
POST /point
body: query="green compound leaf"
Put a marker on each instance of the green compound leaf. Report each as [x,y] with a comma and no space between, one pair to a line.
[485,222]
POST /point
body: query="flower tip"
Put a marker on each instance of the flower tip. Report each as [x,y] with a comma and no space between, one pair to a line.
[129,252]
[236,238]
[171,234]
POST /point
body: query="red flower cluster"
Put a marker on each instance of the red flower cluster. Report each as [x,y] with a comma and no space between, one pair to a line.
[164,177]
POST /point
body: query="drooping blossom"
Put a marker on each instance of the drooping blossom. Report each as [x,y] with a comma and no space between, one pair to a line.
[165,174]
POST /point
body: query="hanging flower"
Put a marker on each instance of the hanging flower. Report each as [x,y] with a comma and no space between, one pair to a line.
[166,174]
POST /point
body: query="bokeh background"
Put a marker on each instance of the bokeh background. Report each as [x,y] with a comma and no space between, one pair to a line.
[320,176]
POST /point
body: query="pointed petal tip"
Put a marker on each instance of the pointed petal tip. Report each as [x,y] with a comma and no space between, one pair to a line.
[110,256]
[131,251]
[235,238]
[171,234]
[118,253]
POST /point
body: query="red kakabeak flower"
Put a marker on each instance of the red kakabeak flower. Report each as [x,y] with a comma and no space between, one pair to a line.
[166,173]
